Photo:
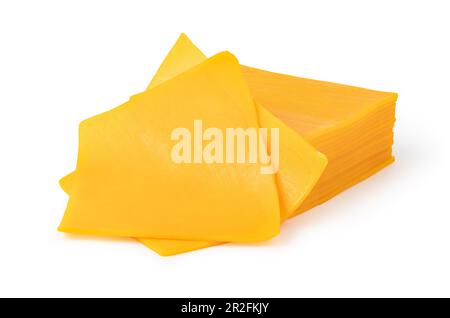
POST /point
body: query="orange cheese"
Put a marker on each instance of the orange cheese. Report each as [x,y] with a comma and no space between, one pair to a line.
[90,212]
[352,126]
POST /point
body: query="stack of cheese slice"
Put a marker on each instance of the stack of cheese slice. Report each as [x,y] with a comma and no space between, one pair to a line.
[126,185]
[352,126]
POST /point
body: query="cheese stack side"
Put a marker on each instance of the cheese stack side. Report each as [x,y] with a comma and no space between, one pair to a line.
[352,126]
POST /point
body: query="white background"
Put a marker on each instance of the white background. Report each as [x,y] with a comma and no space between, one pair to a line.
[61,63]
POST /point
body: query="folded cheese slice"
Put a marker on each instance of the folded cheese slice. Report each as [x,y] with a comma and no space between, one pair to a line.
[126,183]
[300,164]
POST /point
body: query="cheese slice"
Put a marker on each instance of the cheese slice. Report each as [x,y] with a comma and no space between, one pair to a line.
[300,164]
[127,185]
